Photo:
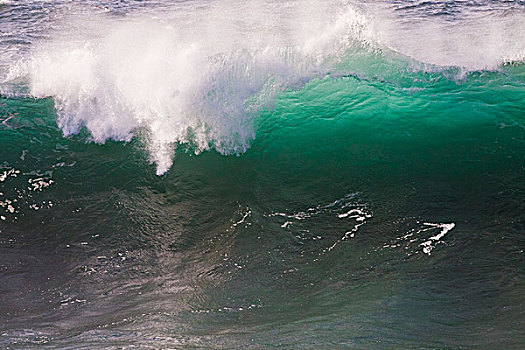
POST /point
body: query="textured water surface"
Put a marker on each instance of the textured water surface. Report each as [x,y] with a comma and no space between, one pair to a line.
[291,174]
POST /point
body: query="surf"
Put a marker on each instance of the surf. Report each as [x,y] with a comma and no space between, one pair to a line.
[198,78]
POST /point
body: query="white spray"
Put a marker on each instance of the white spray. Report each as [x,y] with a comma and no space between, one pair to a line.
[187,76]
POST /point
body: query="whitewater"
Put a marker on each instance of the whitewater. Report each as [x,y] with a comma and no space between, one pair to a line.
[198,75]
[232,174]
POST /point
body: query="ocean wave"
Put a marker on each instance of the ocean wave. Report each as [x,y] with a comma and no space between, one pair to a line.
[200,76]
[180,84]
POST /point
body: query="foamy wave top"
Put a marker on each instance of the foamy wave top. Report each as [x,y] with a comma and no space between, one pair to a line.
[197,72]
[182,80]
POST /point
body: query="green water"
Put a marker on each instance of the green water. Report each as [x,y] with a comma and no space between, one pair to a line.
[228,251]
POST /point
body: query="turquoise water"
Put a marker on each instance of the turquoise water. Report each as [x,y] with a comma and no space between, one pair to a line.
[342,192]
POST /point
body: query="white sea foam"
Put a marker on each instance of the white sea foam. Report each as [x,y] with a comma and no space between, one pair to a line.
[188,75]
[197,72]
[428,244]
[472,41]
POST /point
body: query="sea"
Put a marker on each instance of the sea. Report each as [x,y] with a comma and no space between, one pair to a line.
[262,174]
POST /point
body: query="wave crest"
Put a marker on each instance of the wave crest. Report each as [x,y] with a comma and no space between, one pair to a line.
[177,81]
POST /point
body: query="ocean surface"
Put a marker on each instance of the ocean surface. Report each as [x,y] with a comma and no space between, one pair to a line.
[262,174]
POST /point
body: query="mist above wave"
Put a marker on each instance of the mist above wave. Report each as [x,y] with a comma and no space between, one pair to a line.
[472,36]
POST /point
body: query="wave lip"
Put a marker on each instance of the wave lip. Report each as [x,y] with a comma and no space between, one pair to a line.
[180,81]
[200,76]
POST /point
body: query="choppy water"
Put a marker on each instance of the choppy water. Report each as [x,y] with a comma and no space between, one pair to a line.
[227,174]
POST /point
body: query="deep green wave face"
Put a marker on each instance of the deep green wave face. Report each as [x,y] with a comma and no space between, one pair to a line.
[372,201]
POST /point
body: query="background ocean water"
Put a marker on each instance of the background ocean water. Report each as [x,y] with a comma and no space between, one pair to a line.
[227,174]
